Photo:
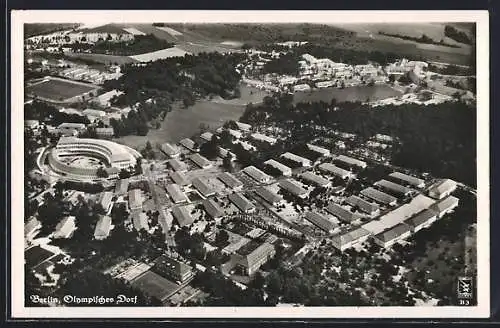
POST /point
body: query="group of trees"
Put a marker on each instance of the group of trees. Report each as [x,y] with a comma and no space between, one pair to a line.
[191,246]
[287,64]
[152,89]
[451,70]
[224,292]
[133,123]
[39,110]
[178,78]
[148,151]
[210,149]
[422,39]
[457,35]
[138,45]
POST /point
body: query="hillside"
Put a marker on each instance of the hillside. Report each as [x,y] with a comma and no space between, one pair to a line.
[45,28]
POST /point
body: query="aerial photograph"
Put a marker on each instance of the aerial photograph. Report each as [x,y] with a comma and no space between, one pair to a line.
[250,164]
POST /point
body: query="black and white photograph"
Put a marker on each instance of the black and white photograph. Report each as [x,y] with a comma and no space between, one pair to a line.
[203,164]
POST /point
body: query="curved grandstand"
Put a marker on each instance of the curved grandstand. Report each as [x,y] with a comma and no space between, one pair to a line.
[82,158]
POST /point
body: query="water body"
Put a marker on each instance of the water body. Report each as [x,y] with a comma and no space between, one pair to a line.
[185,122]
[358,93]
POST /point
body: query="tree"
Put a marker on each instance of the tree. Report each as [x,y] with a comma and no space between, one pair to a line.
[227,162]
[102,173]
[148,146]
[230,125]
[222,238]
[210,149]
[138,166]
[124,174]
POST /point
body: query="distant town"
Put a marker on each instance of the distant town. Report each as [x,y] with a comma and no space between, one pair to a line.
[179,167]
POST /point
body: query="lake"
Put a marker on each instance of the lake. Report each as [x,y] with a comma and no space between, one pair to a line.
[358,93]
[185,122]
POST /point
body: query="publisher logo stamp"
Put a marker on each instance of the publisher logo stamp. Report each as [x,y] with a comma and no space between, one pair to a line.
[464,288]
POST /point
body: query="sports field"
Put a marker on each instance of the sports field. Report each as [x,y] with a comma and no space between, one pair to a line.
[155,285]
[58,89]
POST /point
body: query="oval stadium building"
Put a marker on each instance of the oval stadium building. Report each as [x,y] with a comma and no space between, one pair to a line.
[81,158]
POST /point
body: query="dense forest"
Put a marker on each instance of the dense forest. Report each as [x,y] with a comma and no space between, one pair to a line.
[138,45]
[179,78]
[422,39]
[440,139]
[457,35]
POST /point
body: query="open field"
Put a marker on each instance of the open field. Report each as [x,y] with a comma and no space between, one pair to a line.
[198,47]
[367,34]
[184,122]
[170,31]
[155,285]
[361,93]
[247,95]
[160,54]
[433,30]
[101,58]
[59,89]
[186,40]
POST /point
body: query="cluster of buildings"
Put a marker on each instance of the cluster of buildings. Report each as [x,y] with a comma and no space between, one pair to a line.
[92,75]
[404,66]
[314,73]
[69,37]
[415,211]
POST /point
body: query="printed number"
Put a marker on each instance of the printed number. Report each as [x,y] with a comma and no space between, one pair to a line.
[464,302]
